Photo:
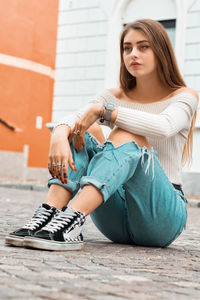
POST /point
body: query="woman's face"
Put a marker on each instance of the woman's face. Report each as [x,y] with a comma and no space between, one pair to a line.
[138,56]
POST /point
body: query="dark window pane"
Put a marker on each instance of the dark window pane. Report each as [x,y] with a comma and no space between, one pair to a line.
[170,26]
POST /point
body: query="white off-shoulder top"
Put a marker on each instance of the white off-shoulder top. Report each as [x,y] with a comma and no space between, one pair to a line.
[165,124]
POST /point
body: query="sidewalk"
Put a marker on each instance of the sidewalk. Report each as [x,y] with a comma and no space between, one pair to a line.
[102,270]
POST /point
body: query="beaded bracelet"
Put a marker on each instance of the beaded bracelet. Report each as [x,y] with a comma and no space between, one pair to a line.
[59,125]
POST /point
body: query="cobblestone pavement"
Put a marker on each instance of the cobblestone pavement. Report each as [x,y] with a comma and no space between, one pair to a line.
[102,270]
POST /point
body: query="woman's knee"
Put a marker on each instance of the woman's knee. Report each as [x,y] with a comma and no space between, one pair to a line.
[119,137]
[97,132]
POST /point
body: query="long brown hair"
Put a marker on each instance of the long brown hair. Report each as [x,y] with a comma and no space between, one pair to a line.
[167,67]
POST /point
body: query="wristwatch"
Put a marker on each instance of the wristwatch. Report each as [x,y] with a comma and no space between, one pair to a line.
[109,107]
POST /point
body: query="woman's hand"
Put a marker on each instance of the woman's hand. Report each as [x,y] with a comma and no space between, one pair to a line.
[82,125]
[60,154]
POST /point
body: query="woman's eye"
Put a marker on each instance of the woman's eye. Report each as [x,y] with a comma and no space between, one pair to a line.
[144,47]
[126,48]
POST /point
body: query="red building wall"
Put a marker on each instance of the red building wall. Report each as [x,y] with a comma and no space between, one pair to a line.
[28,31]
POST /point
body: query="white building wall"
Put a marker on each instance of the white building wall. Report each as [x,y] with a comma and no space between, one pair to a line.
[192,47]
[192,69]
[81,54]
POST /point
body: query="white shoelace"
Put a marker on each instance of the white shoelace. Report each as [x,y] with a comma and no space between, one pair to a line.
[59,221]
[150,159]
[40,216]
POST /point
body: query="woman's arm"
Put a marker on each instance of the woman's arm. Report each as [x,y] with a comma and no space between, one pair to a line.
[173,119]
[71,119]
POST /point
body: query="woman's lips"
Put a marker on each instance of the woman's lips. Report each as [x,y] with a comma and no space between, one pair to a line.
[135,64]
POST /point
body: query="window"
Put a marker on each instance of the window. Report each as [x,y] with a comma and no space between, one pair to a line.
[170,26]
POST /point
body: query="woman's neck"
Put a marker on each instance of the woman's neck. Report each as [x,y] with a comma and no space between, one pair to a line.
[149,89]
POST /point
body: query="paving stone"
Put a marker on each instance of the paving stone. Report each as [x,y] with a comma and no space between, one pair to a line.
[102,270]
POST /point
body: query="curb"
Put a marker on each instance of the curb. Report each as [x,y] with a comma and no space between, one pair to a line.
[37,187]
[193,202]
[24,186]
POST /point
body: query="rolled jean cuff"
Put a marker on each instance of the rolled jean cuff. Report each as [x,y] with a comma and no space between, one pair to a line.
[101,186]
[72,187]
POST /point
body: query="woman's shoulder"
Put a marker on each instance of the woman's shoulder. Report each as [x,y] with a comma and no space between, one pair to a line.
[187,90]
[117,92]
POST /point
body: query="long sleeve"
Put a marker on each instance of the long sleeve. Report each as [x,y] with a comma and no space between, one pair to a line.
[71,119]
[174,118]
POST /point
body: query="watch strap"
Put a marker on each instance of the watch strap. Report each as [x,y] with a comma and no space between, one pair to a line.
[109,107]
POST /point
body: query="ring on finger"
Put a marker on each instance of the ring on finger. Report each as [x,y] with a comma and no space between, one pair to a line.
[78,132]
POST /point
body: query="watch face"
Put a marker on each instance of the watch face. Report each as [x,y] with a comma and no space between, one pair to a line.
[110,105]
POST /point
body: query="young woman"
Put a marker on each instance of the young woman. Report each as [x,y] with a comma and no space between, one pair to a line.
[130,183]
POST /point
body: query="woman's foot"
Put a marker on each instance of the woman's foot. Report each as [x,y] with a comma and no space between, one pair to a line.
[41,217]
[64,232]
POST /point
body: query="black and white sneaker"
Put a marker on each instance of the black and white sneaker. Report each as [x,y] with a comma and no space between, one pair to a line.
[40,218]
[62,233]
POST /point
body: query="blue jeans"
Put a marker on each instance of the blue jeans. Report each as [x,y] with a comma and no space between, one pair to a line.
[141,206]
